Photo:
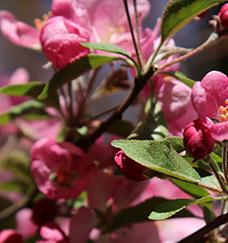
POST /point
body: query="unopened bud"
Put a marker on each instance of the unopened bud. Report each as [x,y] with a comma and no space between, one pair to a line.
[223,15]
[198,141]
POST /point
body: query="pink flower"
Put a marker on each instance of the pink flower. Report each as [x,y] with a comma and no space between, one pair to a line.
[51,233]
[210,100]
[60,169]
[18,32]
[10,236]
[129,168]
[60,39]
[198,141]
[174,97]
[223,15]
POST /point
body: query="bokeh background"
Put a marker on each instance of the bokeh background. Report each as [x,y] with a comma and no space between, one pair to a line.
[195,33]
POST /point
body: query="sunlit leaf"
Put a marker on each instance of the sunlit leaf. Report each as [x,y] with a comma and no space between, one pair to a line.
[178,13]
[159,156]
[172,207]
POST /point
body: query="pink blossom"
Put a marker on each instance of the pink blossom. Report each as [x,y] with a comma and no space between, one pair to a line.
[10,236]
[174,98]
[198,141]
[60,39]
[210,100]
[18,32]
[60,169]
[51,233]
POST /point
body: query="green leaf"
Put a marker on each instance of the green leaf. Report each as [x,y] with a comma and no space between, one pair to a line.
[32,89]
[31,109]
[159,156]
[178,13]
[172,207]
[139,214]
[180,76]
[152,124]
[176,143]
[74,70]
[106,47]
[194,191]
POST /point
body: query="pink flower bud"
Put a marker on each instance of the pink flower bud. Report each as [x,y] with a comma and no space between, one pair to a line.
[60,39]
[129,168]
[223,15]
[198,141]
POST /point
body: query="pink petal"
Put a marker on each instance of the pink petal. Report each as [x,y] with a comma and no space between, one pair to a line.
[18,32]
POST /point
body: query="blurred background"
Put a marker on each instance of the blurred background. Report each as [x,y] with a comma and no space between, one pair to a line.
[195,33]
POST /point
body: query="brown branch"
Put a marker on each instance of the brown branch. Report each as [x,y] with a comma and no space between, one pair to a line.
[117,114]
[198,235]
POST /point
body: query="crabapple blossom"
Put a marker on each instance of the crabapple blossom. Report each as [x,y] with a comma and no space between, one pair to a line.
[210,100]
[10,236]
[60,169]
[198,141]
[60,39]
[18,32]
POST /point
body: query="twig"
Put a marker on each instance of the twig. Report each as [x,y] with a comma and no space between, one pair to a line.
[132,34]
[198,235]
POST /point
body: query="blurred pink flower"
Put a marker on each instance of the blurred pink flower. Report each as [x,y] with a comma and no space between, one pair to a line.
[109,195]
[60,169]
[210,100]
[18,32]
[223,15]
[10,236]
[51,233]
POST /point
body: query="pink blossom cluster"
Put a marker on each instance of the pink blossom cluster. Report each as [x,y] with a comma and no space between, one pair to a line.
[63,171]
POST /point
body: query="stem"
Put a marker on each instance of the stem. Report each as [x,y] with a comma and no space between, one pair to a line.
[217,175]
[132,34]
[92,77]
[137,32]
[225,161]
[6,213]
[70,104]
[117,114]
[211,40]
[198,235]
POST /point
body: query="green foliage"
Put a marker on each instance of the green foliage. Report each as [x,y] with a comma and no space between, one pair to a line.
[121,128]
[139,213]
[31,89]
[74,70]
[172,207]
[152,124]
[30,110]
[180,76]
[159,156]
[178,13]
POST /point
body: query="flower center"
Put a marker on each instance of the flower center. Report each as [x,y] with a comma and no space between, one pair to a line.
[62,177]
[224,112]
[112,29]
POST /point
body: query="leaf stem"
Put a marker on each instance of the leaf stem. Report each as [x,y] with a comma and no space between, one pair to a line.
[132,34]
[225,161]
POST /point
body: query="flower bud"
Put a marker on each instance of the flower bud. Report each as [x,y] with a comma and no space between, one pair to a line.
[223,15]
[198,141]
[129,168]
